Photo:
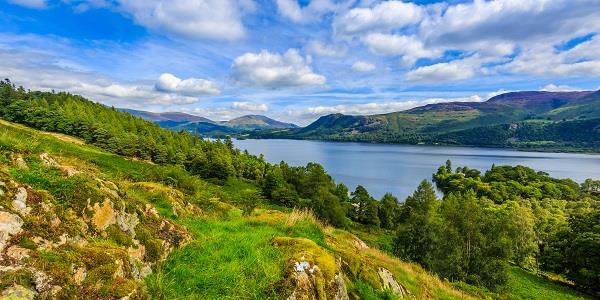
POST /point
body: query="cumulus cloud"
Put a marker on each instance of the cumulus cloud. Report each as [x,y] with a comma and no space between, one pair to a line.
[43,71]
[189,87]
[409,47]
[558,88]
[274,70]
[328,50]
[249,106]
[383,16]
[213,19]
[363,66]
[441,72]
[36,4]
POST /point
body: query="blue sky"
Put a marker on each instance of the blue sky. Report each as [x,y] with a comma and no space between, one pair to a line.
[298,60]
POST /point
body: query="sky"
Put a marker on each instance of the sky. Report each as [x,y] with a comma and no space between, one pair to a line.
[296,60]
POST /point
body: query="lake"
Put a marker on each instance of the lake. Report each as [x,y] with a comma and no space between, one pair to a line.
[398,169]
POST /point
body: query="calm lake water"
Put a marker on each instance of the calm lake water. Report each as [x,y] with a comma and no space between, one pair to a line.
[399,168]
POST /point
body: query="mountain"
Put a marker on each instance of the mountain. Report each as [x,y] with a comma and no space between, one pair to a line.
[166,116]
[258,122]
[530,119]
[203,126]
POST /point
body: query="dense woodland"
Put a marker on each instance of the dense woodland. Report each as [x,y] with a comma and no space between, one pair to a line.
[481,225]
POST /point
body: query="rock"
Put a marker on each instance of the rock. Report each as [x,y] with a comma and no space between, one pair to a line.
[20,163]
[104,215]
[137,253]
[119,273]
[359,244]
[128,222]
[388,282]
[20,201]
[42,282]
[79,275]
[48,161]
[10,224]
[109,187]
[69,171]
[18,292]
[17,253]
[341,292]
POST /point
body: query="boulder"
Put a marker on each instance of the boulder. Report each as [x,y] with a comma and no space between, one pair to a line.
[20,201]
[104,215]
[388,282]
[10,224]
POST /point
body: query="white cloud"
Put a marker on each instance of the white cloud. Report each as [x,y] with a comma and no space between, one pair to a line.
[189,87]
[544,60]
[409,47]
[275,70]
[292,10]
[249,106]
[328,50]
[213,19]
[441,72]
[42,71]
[383,16]
[558,88]
[36,4]
[382,107]
[363,66]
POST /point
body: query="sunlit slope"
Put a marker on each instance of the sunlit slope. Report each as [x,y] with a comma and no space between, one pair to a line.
[79,222]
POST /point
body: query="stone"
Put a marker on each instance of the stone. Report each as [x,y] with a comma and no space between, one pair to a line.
[20,201]
[17,253]
[10,224]
[42,282]
[18,292]
[48,161]
[79,275]
[104,215]
[137,253]
[359,244]
[388,282]
[69,171]
[128,222]
[20,163]
[341,292]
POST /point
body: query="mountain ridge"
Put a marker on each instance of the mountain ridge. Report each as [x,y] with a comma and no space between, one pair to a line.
[452,122]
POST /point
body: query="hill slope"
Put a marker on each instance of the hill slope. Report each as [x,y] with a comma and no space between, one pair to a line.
[109,241]
[461,122]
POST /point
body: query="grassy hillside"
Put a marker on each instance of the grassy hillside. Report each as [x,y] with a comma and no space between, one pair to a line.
[91,223]
[557,115]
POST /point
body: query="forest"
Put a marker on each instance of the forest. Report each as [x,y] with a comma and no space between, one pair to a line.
[481,225]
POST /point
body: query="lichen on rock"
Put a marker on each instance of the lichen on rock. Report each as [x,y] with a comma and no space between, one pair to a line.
[104,215]
[10,224]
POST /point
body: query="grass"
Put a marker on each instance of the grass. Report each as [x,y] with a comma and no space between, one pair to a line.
[525,285]
[231,258]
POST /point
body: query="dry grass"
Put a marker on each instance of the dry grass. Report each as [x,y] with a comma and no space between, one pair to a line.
[300,215]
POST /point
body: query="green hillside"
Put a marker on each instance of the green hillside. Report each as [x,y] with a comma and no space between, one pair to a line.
[544,121]
[104,205]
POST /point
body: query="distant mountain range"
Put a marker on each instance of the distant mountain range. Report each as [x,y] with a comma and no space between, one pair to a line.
[532,119]
[207,127]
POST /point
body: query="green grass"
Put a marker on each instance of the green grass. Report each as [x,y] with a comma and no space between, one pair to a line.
[525,285]
[228,259]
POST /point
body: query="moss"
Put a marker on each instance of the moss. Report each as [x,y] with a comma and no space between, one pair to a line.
[303,249]
[153,245]
[27,243]
[122,287]
[21,277]
[117,235]
[100,273]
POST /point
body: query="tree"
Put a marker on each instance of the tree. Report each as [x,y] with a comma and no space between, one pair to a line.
[388,212]
[416,234]
[248,200]
[364,207]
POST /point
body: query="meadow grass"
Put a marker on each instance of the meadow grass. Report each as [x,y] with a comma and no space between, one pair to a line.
[525,285]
